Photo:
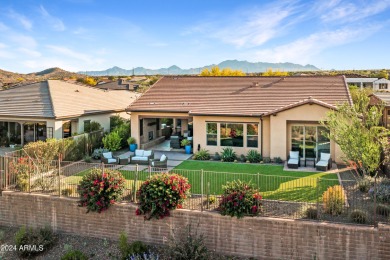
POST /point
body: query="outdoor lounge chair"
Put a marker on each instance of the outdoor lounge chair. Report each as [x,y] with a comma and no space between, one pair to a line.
[293,160]
[107,158]
[159,163]
[324,163]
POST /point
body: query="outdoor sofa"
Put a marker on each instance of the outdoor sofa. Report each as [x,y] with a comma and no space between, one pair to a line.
[159,163]
[141,157]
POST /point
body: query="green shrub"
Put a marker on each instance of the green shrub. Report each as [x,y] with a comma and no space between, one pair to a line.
[74,255]
[278,160]
[127,250]
[383,210]
[45,182]
[87,159]
[161,193]
[22,168]
[242,158]
[185,142]
[92,127]
[382,191]
[131,140]
[267,160]
[67,192]
[217,157]
[187,245]
[240,199]
[31,242]
[311,213]
[202,155]
[98,153]
[145,256]
[364,184]
[333,199]
[359,216]
[253,156]
[98,190]
[124,133]
[228,154]
[112,141]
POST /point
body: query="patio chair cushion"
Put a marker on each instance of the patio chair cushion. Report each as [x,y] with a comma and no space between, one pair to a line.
[139,152]
[111,160]
[163,158]
[139,158]
[107,155]
[322,163]
[189,138]
[294,155]
[325,157]
[152,163]
[293,161]
[147,153]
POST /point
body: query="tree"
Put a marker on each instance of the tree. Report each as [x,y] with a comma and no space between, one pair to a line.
[277,73]
[356,129]
[216,71]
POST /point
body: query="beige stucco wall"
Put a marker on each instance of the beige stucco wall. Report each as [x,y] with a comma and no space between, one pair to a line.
[280,128]
[200,137]
[103,119]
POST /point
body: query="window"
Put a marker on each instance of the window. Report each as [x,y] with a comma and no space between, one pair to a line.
[211,131]
[252,135]
[232,134]
[66,129]
[49,132]
[310,141]
[382,85]
[87,126]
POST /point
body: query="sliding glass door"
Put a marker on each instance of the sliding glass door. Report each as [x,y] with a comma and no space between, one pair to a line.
[310,141]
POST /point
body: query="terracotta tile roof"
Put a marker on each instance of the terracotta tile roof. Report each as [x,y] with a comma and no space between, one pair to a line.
[242,96]
[60,99]
[378,97]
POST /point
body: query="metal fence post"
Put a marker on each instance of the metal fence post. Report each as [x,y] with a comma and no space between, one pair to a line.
[59,175]
[201,187]
[29,175]
[134,183]
[150,171]
[258,180]
[318,202]
[375,190]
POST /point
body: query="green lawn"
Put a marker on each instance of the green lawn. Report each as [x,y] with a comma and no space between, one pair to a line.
[272,181]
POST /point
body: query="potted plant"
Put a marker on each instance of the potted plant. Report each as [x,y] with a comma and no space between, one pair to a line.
[132,144]
[187,145]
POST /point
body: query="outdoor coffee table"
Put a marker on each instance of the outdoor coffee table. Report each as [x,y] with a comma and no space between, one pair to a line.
[123,161]
[310,160]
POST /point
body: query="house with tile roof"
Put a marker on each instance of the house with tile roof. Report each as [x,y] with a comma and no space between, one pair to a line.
[375,84]
[273,115]
[56,109]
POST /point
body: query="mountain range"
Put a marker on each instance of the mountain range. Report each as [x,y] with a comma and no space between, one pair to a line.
[245,66]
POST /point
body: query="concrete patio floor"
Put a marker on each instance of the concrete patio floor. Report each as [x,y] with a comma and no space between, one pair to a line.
[308,168]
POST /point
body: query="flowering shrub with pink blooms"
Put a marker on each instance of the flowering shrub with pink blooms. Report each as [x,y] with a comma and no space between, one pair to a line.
[161,193]
[240,199]
[98,189]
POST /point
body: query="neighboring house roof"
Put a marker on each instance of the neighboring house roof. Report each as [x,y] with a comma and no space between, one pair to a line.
[240,96]
[376,98]
[363,80]
[382,80]
[59,99]
[115,85]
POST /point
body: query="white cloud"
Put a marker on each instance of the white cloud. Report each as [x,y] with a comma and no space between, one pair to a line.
[302,50]
[23,40]
[54,22]
[30,52]
[24,21]
[76,56]
[343,11]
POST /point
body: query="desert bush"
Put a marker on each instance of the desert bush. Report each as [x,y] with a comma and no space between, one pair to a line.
[98,153]
[242,158]
[311,213]
[333,199]
[67,192]
[267,160]
[161,193]
[131,250]
[112,141]
[383,210]
[382,191]
[202,155]
[74,255]
[253,156]
[98,190]
[144,256]
[31,242]
[364,184]
[184,244]
[278,160]
[228,154]
[212,199]
[21,168]
[45,182]
[87,159]
[240,199]
[359,216]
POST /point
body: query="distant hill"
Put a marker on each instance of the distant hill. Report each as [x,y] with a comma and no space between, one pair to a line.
[245,66]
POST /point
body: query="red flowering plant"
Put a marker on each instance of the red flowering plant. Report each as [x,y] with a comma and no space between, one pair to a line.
[161,193]
[240,199]
[98,190]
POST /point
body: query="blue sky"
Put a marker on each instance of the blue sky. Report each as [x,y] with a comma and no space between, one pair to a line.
[79,35]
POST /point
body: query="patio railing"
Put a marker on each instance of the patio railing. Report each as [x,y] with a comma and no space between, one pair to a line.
[283,196]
